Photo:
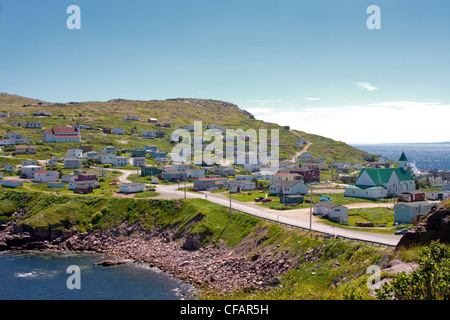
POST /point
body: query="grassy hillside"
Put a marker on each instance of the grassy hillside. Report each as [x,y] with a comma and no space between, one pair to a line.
[320,263]
[178,112]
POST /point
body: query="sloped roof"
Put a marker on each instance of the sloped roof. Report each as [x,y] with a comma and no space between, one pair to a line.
[383,175]
[403,157]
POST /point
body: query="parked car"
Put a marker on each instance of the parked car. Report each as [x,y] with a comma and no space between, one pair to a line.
[258,199]
[152,189]
[113,183]
[266,200]
[401,231]
[195,189]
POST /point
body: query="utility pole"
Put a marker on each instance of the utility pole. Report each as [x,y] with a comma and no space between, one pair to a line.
[310,209]
[230,205]
[185,178]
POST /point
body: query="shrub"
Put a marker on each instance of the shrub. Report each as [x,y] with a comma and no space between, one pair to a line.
[430,282]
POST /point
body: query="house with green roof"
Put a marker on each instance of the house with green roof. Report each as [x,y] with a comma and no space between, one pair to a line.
[382,183]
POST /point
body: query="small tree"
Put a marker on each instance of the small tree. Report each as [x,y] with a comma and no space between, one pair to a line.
[430,282]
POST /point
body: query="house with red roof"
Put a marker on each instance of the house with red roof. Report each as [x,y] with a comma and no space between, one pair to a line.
[61,134]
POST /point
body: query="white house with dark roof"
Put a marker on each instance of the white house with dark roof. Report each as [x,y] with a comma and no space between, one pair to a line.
[44,176]
[288,187]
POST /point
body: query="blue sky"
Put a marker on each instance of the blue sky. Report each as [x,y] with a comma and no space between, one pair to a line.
[313,65]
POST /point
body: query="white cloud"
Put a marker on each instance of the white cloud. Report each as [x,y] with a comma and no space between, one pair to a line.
[365,85]
[395,121]
[267,101]
[312,99]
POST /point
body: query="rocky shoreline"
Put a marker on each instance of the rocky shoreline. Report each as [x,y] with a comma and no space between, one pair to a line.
[217,269]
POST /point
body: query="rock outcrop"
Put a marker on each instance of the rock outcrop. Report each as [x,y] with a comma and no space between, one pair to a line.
[435,226]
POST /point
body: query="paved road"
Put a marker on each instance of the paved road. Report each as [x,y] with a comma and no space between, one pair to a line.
[295,217]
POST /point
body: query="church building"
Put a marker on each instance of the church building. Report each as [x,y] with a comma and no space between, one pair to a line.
[382,183]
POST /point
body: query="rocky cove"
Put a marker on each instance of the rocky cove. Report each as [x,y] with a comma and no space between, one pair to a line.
[218,268]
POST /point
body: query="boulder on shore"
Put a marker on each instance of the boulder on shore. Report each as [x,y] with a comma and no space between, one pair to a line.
[107,263]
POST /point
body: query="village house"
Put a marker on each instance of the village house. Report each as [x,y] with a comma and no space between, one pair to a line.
[119,161]
[148,134]
[72,163]
[209,184]
[44,176]
[19,114]
[131,187]
[308,175]
[282,176]
[29,162]
[29,171]
[288,187]
[410,196]
[11,183]
[42,113]
[237,186]
[98,172]
[120,131]
[150,171]
[84,189]
[150,148]
[73,185]
[224,171]
[108,149]
[332,211]
[438,195]
[173,175]
[152,120]
[61,134]
[248,177]
[383,182]
[410,212]
[195,173]
[105,158]
[26,149]
[300,142]
[131,118]
[75,153]
[291,199]
[137,161]
[28,124]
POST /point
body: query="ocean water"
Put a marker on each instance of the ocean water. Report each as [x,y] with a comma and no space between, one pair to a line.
[422,156]
[44,276]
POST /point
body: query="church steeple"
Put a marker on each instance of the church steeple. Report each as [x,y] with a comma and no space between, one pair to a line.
[402,162]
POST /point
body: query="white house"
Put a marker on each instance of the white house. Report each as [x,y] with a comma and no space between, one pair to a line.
[108,149]
[132,118]
[332,211]
[29,171]
[120,161]
[288,187]
[248,177]
[104,158]
[195,173]
[77,153]
[44,176]
[89,183]
[281,176]
[72,163]
[137,161]
[241,185]
[381,183]
[252,167]
[148,134]
[438,195]
[120,131]
[29,163]
[131,187]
